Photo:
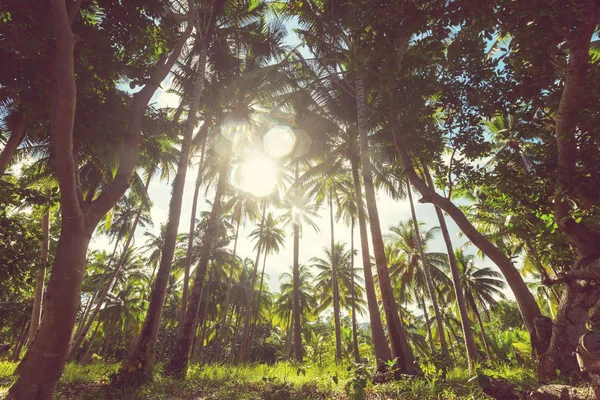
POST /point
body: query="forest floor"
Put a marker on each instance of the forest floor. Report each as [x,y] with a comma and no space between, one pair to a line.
[283,381]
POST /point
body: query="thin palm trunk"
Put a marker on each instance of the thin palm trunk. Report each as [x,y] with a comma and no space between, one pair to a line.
[245,345]
[260,288]
[40,278]
[398,338]
[22,338]
[465,322]
[85,357]
[228,295]
[298,353]
[482,329]
[177,365]
[380,343]
[192,230]
[335,288]
[143,352]
[428,279]
[426,316]
[234,336]
[353,294]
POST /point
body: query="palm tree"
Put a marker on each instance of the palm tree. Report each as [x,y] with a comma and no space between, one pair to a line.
[456,282]
[480,287]
[348,211]
[299,211]
[344,288]
[293,288]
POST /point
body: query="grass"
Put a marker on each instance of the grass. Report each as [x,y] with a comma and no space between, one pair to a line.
[283,381]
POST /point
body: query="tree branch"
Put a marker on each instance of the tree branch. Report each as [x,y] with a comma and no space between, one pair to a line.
[130,153]
[63,110]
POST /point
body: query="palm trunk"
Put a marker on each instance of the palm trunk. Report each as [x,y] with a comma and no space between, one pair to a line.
[353,294]
[428,279]
[85,357]
[426,316]
[458,292]
[260,289]
[234,336]
[400,347]
[480,322]
[80,337]
[228,296]
[11,146]
[335,289]
[380,343]
[40,278]
[244,347]
[143,352]
[188,254]
[178,363]
[298,353]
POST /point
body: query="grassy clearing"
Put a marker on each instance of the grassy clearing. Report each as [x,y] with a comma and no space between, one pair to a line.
[283,381]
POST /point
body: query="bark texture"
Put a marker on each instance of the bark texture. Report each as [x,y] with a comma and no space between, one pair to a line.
[11,146]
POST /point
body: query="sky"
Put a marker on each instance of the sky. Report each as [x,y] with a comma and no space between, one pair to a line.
[312,243]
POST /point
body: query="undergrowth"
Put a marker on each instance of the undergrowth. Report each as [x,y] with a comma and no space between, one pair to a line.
[283,381]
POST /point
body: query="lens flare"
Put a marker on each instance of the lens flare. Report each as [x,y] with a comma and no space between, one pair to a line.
[279,141]
[257,176]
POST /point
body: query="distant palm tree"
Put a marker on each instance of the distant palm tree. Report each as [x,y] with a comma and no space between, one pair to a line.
[481,287]
[289,289]
[349,298]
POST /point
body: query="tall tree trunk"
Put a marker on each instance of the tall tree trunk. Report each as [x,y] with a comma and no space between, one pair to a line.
[46,357]
[297,319]
[353,295]
[245,345]
[480,322]
[40,277]
[234,336]
[260,290]
[465,322]
[143,352]
[223,323]
[380,343]
[11,146]
[428,279]
[426,316]
[178,363]
[529,308]
[192,230]
[400,347]
[335,289]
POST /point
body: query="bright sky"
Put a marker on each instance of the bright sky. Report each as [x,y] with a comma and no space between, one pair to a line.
[312,243]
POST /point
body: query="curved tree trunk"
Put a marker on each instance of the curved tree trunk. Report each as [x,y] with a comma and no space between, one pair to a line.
[335,289]
[458,292]
[380,343]
[40,278]
[192,230]
[177,365]
[529,308]
[400,347]
[11,146]
[428,279]
[143,352]
[353,294]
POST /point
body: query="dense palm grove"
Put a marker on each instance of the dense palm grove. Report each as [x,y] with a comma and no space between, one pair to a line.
[486,112]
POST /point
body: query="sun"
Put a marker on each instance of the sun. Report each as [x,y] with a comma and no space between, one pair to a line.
[257,176]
